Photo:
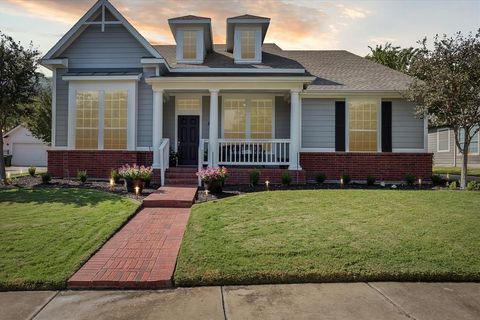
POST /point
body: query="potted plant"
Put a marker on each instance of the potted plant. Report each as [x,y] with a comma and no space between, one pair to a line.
[213,178]
[173,159]
[146,174]
[132,177]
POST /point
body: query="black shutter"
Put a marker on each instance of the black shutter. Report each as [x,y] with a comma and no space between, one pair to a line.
[386,126]
[339,125]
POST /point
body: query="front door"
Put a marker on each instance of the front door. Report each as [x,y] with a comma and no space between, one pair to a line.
[188,139]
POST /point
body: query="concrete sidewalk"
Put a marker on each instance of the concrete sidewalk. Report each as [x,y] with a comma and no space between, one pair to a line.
[376,300]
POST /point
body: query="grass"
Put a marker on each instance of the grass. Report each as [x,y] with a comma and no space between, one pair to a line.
[46,234]
[332,235]
[456,170]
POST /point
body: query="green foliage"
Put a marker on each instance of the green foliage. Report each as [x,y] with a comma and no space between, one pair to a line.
[286,178]
[254,177]
[410,179]
[31,171]
[115,176]
[46,177]
[82,175]
[473,186]
[395,57]
[436,179]
[320,177]
[39,120]
[370,180]
[346,178]
[453,185]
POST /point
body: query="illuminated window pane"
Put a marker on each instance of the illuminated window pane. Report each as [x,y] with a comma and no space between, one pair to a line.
[115,123]
[189,44]
[261,118]
[86,131]
[188,104]
[234,119]
[247,44]
[362,115]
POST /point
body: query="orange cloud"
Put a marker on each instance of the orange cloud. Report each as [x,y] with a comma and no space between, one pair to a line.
[292,25]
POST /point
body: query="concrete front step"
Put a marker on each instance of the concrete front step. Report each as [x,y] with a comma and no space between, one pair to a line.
[172,196]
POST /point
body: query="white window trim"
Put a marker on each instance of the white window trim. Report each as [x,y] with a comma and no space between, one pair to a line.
[101,87]
[237,48]
[471,153]
[438,140]
[247,98]
[187,113]
[379,124]
[200,46]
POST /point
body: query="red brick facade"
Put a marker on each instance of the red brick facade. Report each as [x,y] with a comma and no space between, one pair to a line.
[98,163]
[386,166]
[242,176]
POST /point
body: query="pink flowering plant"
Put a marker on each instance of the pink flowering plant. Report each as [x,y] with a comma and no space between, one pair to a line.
[135,172]
[213,175]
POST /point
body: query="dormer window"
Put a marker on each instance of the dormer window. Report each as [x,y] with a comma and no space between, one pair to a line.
[189,44]
[247,44]
[194,38]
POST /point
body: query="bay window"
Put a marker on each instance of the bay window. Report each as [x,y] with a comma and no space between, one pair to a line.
[248,118]
[363,125]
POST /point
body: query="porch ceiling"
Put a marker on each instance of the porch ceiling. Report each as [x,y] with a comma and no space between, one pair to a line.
[229,83]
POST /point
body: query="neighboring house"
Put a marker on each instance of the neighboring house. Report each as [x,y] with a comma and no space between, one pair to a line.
[26,150]
[119,99]
[441,142]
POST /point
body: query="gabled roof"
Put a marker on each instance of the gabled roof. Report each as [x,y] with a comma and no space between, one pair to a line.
[248,17]
[13,130]
[245,19]
[87,19]
[189,17]
[189,20]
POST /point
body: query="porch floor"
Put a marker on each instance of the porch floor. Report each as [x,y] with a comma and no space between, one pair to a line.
[143,253]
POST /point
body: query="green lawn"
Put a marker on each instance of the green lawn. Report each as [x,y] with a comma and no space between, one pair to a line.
[456,170]
[332,235]
[47,233]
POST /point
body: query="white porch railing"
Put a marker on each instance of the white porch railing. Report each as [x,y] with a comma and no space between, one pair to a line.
[253,152]
[164,158]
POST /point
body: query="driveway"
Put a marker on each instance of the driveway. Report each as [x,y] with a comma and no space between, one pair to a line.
[376,300]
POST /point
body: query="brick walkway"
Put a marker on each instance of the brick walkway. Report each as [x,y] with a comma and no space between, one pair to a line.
[142,254]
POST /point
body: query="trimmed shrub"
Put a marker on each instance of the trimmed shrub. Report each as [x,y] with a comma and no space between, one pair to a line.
[410,179]
[82,175]
[286,178]
[436,179]
[320,177]
[31,171]
[254,177]
[346,179]
[453,185]
[370,181]
[46,177]
[473,186]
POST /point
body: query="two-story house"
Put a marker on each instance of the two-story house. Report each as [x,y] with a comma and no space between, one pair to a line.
[119,99]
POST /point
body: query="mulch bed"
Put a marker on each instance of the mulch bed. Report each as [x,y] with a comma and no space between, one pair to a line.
[36,182]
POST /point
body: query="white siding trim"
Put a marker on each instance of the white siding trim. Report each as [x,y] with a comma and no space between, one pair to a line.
[438,139]
[54,106]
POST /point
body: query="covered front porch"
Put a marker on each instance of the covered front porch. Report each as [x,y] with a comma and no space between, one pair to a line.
[230,121]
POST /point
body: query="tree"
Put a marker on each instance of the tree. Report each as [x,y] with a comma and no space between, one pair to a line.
[447,87]
[394,57]
[18,81]
[39,120]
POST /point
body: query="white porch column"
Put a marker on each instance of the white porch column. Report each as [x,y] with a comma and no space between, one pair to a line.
[213,130]
[157,129]
[295,130]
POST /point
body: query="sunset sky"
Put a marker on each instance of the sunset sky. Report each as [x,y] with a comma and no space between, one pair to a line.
[295,24]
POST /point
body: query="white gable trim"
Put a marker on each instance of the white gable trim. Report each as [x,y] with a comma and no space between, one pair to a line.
[78,28]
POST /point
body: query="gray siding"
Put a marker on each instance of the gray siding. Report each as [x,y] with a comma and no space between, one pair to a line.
[407,130]
[145,111]
[447,158]
[318,123]
[61,119]
[169,120]
[282,118]
[114,48]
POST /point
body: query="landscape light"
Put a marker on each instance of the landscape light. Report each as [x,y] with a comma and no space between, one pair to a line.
[137,190]
[420,182]
[206,194]
[267,184]
[341,182]
[112,182]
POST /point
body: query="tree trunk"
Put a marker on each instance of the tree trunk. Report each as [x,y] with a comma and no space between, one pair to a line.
[3,175]
[463,177]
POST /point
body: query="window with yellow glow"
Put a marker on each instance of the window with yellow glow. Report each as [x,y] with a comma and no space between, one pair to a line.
[86,135]
[189,44]
[362,123]
[234,119]
[115,124]
[261,117]
[247,44]
[188,104]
